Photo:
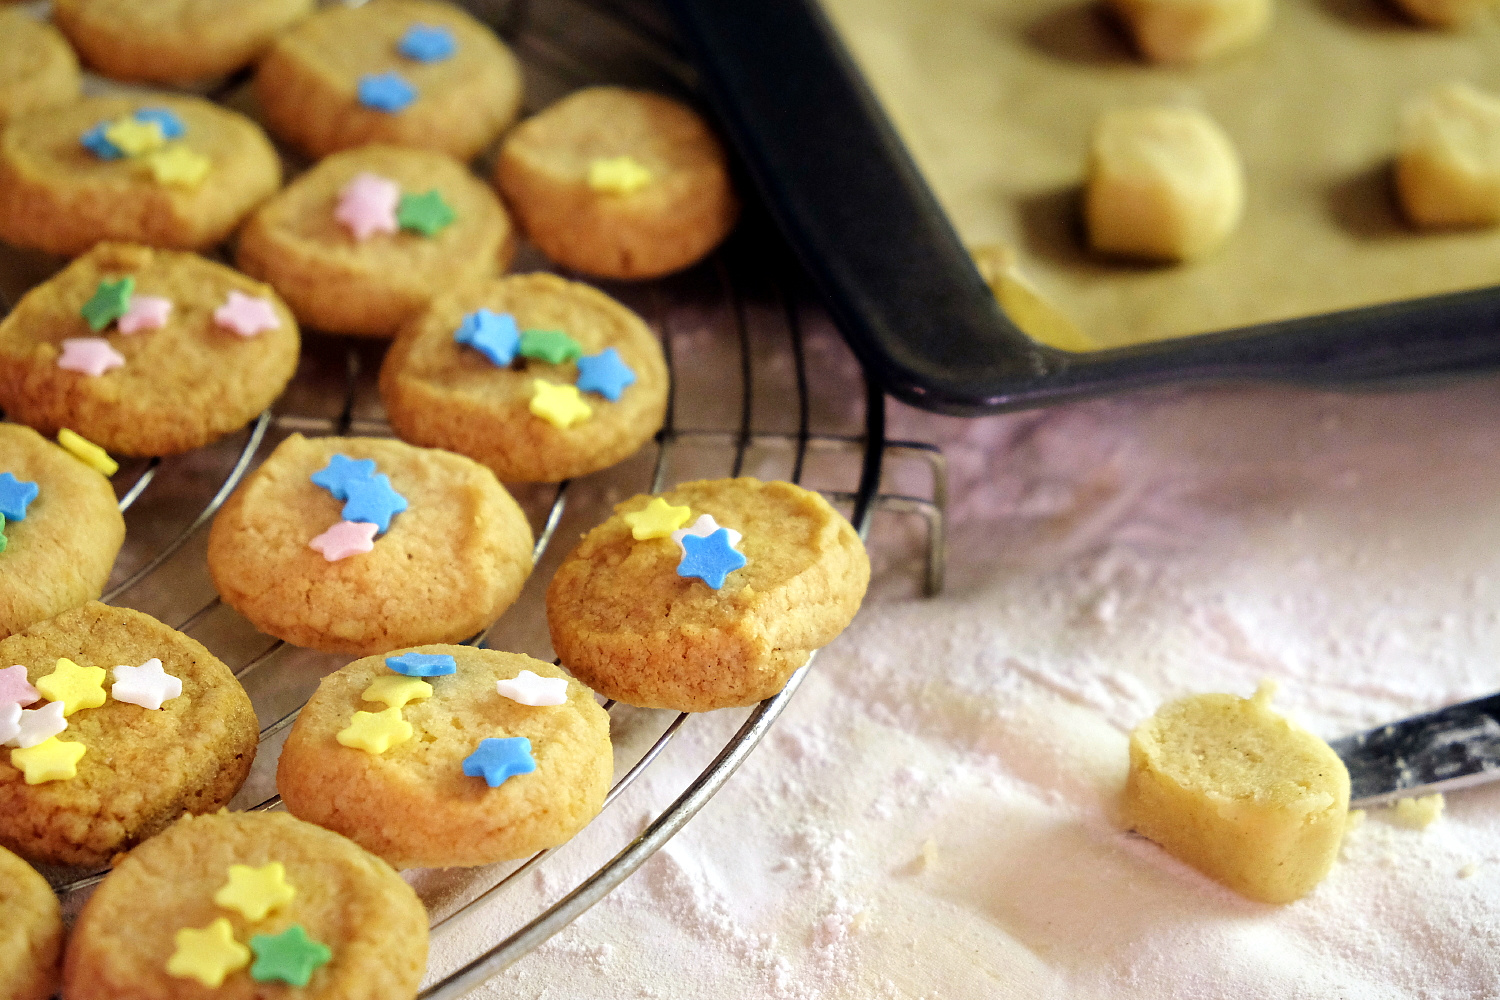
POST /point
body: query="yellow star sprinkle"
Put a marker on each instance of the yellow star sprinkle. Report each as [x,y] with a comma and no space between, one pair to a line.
[396,690]
[561,406]
[208,955]
[657,519]
[375,732]
[618,175]
[49,760]
[135,137]
[87,452]
[76,687]
[178,165]
[255,892]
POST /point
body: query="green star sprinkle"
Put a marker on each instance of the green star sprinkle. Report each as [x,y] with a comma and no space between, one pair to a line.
[427,213]
[551,346]
[109,302]
[290,956]
[3,540]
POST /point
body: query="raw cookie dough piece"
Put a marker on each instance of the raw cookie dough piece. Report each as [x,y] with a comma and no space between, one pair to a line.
[311,83]
[37,68]
[1192,31]
[1448,163]
[31,932]
[1164,184]
[141,767]
[60,555]
[445,394]
[174,41]
[447,566]
[59,196]
[1239,792]
[340,283]
[627,624]
[1026,307]
[619,183]
[412,804]
[182,384]
[370,925]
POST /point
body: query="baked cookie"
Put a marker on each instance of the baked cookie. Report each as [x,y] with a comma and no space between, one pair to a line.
[37,68]
[174,41]
[618,183]
[464,376]
[708,596]
[31,932]
[62,529]
[248,905]
[175,172]
[145,352]
[405,72]
[126,725]
[359,545]
[448,768]
[364,240]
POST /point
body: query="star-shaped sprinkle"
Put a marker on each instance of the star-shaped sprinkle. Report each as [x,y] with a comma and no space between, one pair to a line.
[618,175]
[427,43]
[178,166]
[147,685]
[290,956]
[76,687]
[367,205]
[657,519]
[703,527]
[4,541]
[374,501]
[49,760]
[39,725]
[342,470]
[208,955]
[87,452]
[709,559]
[171,126]
[146,312]
[89,355]
[551,346]
[528,688]
[10,721]
[388,92]
[396,691]
[95,142]
[110,301]
[498,760]
[562,406]
[255,892]
[15,496]
[133,137]
[427,213]
[423,664]
[345,539]
[605,373]
[375,732]
[246,315]
[495,335]
[14,689]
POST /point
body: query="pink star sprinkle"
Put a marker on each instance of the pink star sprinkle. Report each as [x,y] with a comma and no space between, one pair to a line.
[367,205]
[345,539]
[14,689]
[146,312]
[246,315]
[89,355]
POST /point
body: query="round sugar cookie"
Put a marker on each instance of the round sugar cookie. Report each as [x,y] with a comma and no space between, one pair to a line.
[446,567]
[37,68]
[413,803]
[142,766]
[247,882]
[174,41]
[404,72]
[346,277]
[31,932]
[446,394]
[619,183]
[185,193]
[60,554]
[626,622]
[169,388]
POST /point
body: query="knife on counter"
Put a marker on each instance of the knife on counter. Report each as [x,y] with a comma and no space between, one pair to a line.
[1442,751]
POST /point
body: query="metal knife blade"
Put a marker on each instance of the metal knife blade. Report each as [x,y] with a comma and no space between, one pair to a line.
[1451,748]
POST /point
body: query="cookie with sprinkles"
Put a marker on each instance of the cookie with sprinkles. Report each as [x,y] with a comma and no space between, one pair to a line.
[37,67]
[31,932]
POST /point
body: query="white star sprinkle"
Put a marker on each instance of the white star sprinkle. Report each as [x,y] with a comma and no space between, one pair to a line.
[703,527]
[10,722]
[39,725]
[532,689]
[147,685]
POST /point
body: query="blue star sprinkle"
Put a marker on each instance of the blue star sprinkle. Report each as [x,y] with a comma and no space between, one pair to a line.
[340,471]
[171,126]
[423,664]
[15,496]
[498,760]
[710,559]
[388,92]
[495,335]
[605,373]
[372,501]
[94,141]
[426,43]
